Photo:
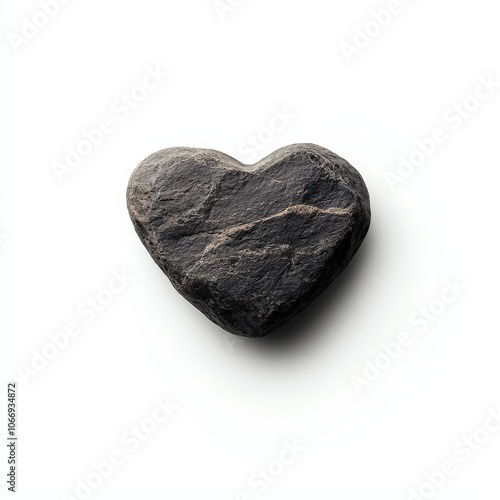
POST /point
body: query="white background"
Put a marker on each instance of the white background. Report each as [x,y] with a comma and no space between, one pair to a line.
[239,402]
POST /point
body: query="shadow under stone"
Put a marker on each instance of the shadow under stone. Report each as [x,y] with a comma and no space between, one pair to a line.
[310,322]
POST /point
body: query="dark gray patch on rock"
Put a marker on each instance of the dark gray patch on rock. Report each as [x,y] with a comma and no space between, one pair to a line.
[249,246]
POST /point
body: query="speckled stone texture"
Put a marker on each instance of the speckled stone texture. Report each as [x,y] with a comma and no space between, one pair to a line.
[249,246]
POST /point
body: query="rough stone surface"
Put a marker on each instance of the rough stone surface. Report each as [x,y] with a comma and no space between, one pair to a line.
[249,246]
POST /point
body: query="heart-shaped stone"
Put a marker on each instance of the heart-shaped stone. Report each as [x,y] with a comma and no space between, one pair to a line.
[249,246]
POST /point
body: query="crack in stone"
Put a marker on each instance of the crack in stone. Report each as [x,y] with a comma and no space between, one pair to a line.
[224,236]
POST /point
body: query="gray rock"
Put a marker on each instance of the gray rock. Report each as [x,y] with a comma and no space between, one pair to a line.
[249,246]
